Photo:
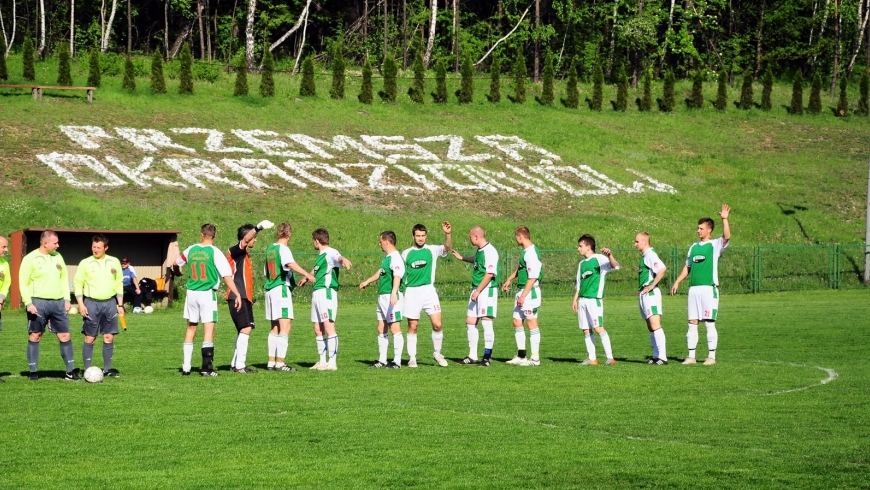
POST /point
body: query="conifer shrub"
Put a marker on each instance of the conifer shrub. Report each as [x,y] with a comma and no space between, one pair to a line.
[417,91]
[815,103]
[64,71]
[338,68]
[843,103]
[697,98]
[597,88]
[746,94]
[94,73]
[129,82]
[767,81]
[440,94]
[185,73]
[646,100]
[390,71]
[572,95]
[494,95]
[621,103]
[307,87]
[241,69]
[267,74]
[158,81]
[466,93]
[366,94]
[27,54]
[864,89]
[797,95]
[519,73]
[669,97]
[722,92]
[548,76]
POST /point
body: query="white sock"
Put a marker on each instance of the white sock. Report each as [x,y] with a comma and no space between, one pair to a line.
[281,348]
[535,342]
[437,340]
[652,343]
[272,347]
[412,345]
[398,347]
[321,348]
[488,334]
[235,352]
[332,348]
[241,356]
[383,345]
[692,339]
[605,342]
[661,346]
[473,338]
[520,336]
[590,346]
[712,339]
[188,355]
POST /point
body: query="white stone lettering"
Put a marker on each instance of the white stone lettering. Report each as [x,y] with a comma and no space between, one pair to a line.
[84,136]
[454,151]
[150,139]
[303,169]
[214,142]
[270,147]
[376,179]
[340,143]
[510,144]
[382,143]
[254,169]
[192,169]
[63,163]
[436,169]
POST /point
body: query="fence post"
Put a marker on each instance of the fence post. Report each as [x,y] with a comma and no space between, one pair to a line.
[756,269]
[835,266]
[674,263]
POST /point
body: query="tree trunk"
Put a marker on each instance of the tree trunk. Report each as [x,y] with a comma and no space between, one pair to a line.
[404,34]
[41,29]
[129,28]
[758,43]
[72,27]
[386,26]
[536,70]
[670,28]
[431,42]
[862,26]
[456,35]
[201,31]
[612,37]
[249,35]
[166,29]
[302,42]
[11,38]
[836,68]
[302,17]
[821,29]
[365,23]
[176,46]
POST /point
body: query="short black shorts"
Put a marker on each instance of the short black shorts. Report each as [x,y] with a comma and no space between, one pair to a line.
[244,317]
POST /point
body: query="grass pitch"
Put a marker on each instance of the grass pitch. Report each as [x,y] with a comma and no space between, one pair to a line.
[786,406]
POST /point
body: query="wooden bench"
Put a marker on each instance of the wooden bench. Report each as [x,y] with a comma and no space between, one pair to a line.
[36,90]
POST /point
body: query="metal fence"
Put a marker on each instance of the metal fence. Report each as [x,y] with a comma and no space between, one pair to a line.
[742,269]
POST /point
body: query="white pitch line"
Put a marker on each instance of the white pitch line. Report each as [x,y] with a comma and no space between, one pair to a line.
[832,375]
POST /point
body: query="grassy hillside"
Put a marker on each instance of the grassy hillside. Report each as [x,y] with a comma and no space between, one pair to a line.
[793,180]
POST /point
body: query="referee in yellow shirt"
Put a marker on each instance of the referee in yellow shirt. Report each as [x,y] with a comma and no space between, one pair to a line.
[5,279]
[99,289]
[44,287]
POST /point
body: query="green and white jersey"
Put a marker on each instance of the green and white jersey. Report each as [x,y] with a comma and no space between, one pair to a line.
[207,266]
[277,266]
[392,266]
[530,267]
[420,264]
[703,262]
[590,276]
[326,269]
[650,265]
[485,262]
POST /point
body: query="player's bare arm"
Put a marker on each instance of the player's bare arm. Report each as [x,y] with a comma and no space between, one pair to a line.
[306,277]
[487,278]
[447,228]
[469,259]
[726,228]
[526,291]
[345,263]
[683,274]
[394,294]
[574,301]
[659,276]
[228,280]
[370,280]
[506,287]
[609,254]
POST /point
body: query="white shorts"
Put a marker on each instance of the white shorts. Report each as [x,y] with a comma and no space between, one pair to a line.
[590,313]
[279,303]
[387,312]
[703,303]
[650,304]
[486,304]
[529,311]
[201,306]
[421,298]
[324,305]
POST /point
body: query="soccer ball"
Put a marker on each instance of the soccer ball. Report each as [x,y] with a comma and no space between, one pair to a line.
[148,309]
[73,310]
[94,374]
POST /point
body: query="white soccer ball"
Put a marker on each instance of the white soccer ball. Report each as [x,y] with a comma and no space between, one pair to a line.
[148,309]
[73,310]
[94,374]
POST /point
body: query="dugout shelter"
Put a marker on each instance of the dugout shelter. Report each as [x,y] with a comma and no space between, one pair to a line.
[151,253]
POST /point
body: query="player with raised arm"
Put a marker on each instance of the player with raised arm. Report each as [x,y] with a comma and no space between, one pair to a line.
[239,258]
[390,301]
[588,300]
[528,274]
[207,266]
[99,290]
[324,299]
[483,302]
[702,269]
[651,271]
[420,293]
[280,282]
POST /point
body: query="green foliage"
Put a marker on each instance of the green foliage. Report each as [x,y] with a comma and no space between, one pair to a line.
[843,102]
[366,94]
[417,91]
[767,80]
[548,74]
[572,100]
[466,93]
[864,88]
[390,70]
[267,75]
[4,72]
[797,95]
[307,87]
[129,82]
[746,95]
[722,92]
[669,97]
[64,71]
[494,95]
[94,74]
[815,104]
[646,101]
[27,54]
[158,81]
[206,72]
[697,98]
[519,73]
[185,74]
[240,66]
[338,76]
[621,103]
[440,95]
[597,89]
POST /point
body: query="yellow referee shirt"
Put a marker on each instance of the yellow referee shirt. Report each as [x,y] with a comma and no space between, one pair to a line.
[99,279]
[43,276]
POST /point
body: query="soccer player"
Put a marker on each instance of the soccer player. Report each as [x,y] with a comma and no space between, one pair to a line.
[5,278]
[99,290]
[702,268]
[589,294]
[208,266]
[420,293]
[389,311]
[44,286]
[650,273]
[279,268]
[324,299]
[131,285]
[239,259]
[528,298]
[483,302]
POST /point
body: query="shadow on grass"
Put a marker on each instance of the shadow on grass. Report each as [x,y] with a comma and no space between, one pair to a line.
[569,360]
[791,210]
[45,374]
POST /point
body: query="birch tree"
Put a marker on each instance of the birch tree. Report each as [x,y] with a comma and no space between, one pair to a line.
[431,42]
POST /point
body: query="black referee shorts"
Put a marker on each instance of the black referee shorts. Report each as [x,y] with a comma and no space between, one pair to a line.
[244,317]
